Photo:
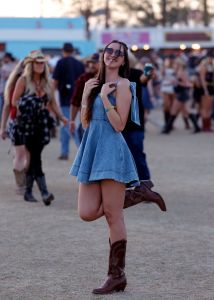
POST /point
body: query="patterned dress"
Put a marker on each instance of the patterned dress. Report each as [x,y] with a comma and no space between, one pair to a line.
[33,119]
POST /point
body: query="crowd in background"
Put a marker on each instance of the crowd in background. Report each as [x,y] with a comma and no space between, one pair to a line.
[179,83]
[182,83]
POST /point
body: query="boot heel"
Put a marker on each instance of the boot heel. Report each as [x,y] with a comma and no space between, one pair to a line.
[120,288]
[47,200]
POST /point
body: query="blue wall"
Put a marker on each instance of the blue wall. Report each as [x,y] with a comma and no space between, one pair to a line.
[22,47]
[46,23]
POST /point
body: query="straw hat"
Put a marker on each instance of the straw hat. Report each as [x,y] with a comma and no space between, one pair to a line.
[35,56]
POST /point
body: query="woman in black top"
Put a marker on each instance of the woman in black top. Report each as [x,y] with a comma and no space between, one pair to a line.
[33,95]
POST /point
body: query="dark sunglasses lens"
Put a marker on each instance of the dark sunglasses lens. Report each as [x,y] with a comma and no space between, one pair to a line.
[109,50]
[118,53]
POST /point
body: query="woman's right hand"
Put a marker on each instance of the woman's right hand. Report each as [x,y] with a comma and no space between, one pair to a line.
[107,89]
[3,134]
[89,86]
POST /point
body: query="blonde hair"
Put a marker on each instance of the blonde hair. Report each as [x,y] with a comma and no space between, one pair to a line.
[45,81]
[11,81]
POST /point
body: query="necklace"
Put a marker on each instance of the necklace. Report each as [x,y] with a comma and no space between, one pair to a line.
[38,87]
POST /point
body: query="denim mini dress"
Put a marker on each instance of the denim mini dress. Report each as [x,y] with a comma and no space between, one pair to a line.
[103,152]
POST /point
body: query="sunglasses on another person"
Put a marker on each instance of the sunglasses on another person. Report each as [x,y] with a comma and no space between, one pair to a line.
[117,52]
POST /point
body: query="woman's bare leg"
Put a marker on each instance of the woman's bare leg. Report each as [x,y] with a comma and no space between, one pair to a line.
[113,195]
[207,102]
[90,201]
[21,158]
[176,107]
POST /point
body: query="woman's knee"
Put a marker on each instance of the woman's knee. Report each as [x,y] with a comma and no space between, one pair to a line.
[113,217]
[20,152]
[87,215]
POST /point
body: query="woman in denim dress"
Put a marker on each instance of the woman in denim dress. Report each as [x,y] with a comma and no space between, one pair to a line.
[104,164]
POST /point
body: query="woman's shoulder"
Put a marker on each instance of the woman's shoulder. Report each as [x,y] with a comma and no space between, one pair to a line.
[124,82]
[21,80]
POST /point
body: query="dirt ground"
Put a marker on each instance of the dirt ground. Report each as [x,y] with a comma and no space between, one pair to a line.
[48,253]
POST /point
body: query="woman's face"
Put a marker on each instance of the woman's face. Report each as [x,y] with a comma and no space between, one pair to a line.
[114,55]
[38,67]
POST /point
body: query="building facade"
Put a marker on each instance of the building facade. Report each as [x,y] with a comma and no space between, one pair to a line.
[21,35]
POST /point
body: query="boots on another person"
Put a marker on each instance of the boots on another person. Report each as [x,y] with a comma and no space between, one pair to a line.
[206,125]
[46,196]
[193,119]
[28,196]
[116,280]
[143,193]
[169,126]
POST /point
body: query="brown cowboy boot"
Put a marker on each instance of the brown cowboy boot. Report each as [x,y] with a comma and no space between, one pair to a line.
[116,280]
[143,193]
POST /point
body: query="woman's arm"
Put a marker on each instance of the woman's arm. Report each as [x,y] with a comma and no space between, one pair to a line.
[18,91]
[117,117]
[202,74]
[5,116]
[56,110]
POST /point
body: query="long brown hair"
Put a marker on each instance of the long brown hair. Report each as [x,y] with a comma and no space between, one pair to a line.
[123,72]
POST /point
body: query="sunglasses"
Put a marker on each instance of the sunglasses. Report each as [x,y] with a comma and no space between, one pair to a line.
[117,52]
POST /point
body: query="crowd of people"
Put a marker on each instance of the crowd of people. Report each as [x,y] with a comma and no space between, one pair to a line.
[179,84]
[102,101]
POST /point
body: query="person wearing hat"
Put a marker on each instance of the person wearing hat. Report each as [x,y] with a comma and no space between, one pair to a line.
[33,97]
[20,154]
[67,71]
[92,66]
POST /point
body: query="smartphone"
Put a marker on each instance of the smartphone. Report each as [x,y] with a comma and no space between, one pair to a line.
[148,69]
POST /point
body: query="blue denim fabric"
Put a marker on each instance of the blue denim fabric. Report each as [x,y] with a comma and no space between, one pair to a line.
[65,133]
[78,134]
[1,105]
[135,117]
[103,153]
[134,140]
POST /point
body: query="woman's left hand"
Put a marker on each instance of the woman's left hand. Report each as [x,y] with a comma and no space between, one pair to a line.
[107,88]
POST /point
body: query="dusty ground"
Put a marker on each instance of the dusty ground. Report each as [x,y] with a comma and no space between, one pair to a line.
[48,253]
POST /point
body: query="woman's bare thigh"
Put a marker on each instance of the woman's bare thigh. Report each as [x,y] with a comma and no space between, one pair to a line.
[113,195]
[89,200]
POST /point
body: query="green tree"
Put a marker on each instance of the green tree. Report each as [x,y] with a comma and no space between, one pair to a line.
[173,12]
[141,11]
[83,8]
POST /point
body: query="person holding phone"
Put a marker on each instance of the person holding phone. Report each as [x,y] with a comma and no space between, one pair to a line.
[134,137]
